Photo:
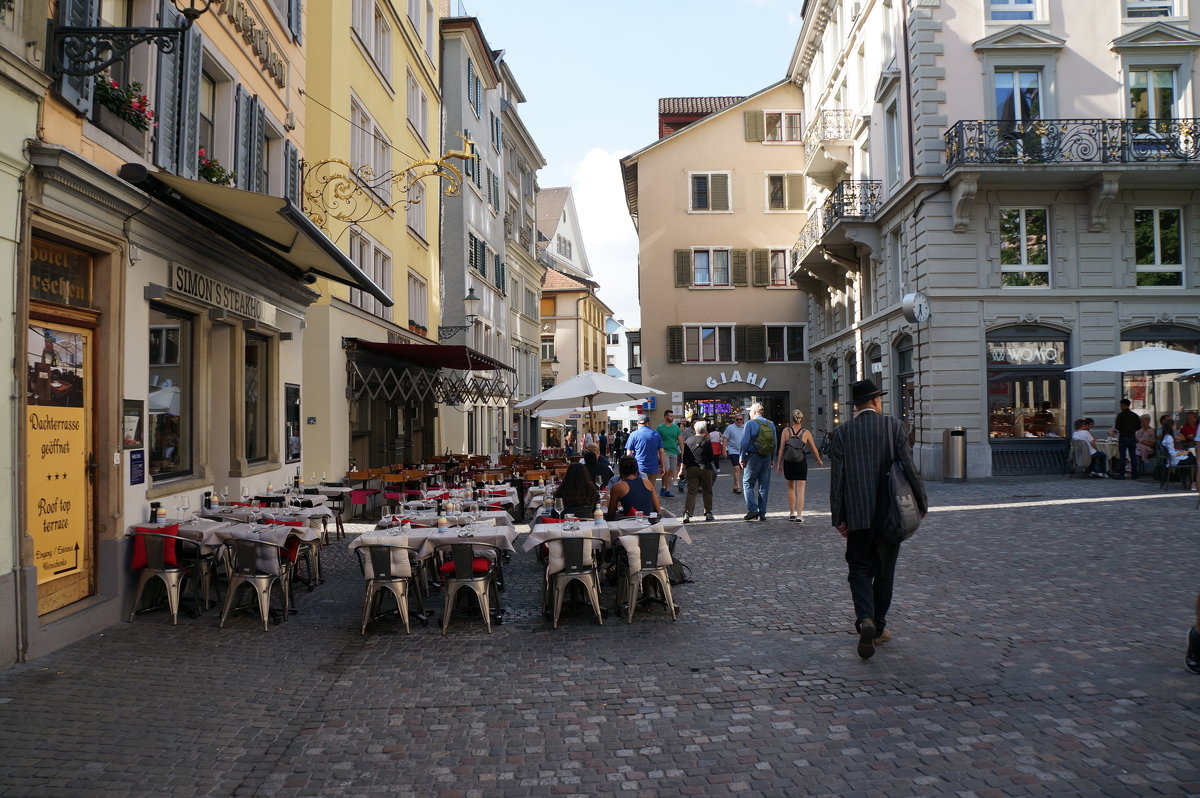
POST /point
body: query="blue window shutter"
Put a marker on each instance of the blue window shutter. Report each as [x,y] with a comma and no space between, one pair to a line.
[77,90]
[170,67]
[291,172]
[189,105]
[295,18]
[243,138]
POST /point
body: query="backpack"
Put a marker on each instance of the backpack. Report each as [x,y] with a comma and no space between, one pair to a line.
[764,439]
[795,450]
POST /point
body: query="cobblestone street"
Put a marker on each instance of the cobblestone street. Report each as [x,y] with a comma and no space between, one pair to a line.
[1038,640]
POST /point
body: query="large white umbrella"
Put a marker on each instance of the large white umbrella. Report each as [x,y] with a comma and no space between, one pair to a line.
[1148,359]
[587,389]
[567,412]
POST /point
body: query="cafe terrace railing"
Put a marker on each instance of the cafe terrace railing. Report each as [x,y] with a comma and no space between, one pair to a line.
[1073,141]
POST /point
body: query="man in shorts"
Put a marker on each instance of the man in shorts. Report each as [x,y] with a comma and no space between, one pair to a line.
[669,432]
[732,438]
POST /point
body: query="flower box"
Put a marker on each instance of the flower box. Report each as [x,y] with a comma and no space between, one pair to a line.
[107,120]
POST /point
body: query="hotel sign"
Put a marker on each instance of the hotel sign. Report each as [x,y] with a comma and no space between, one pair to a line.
[59,274]
[245,20]
[212,291]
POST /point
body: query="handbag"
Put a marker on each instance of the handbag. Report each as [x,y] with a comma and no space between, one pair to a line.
[897,512]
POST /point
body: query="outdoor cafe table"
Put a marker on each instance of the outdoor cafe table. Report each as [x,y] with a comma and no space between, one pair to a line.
[211,533]
[610,530]
[499,533]
[313,517]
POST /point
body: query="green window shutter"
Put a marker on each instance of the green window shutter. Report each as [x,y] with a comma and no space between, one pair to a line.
[795,192]
[295,16]
[291,172]
[470,83]
[719,192]
[754,125]
[259,152]
[77,90]
[740,260]
[761,262]
[739,343]
[243,141]
[683,268]
[675,344]
[756,344]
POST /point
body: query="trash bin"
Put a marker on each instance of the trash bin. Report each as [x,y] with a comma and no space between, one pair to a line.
[954,454]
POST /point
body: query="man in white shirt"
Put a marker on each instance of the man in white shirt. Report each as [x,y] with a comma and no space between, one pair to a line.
[1082,433]
[732,438]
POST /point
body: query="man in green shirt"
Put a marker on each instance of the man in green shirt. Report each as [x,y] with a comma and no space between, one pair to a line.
[669,431]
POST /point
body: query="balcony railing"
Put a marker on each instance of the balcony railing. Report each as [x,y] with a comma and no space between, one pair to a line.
[856,199]
[1073,141]
[810,236]
[835,124]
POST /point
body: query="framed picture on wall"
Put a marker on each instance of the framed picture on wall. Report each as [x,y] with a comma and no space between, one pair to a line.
[131,424]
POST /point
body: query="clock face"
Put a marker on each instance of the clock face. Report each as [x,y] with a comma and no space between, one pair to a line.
[916,307]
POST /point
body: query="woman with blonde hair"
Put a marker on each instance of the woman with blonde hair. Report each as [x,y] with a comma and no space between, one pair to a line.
[794,447]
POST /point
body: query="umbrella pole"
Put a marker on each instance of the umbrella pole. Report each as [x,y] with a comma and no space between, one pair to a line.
[591,416]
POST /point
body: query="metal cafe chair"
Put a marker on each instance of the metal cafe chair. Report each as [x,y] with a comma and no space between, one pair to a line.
[570,560]
[647,557]
[261,565]
[172,560]
[462,566]
[1185,472]
[388,569]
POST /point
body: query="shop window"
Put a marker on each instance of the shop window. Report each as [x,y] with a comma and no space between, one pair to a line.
[1026,383]
[1158,246]
[1156,394]
[906,385]
[1024,248]
[169,404]
[256,375]
[785,343]
[291,421]
[708,344]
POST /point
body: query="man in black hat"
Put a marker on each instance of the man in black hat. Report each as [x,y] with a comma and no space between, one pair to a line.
[859,457]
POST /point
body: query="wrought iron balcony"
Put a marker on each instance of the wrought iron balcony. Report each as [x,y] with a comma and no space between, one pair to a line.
[854,199]
[836,124]
[1073,141]
[809,237]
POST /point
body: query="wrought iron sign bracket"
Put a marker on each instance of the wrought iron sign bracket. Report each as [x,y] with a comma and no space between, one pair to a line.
[86,51]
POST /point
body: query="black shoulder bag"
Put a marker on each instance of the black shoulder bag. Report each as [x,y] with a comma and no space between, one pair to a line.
[897,509]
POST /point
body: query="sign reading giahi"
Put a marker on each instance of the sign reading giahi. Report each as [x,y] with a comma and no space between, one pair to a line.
[214,292]
[254,33]
[751,378]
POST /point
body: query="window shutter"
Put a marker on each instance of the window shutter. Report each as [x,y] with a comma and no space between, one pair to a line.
[295,18]
[243,131]
[683,268]
[756,344]
[719,192]
[739,343]
[754,125]
[470,83]
[761,261]
[675,344]
[167,101]
[77,90]
[189,105]
[259,155]
[291,172]
[739,258]
[699,192]
[795,192]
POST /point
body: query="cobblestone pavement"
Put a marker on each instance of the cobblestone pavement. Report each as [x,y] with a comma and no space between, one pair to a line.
[1037,648]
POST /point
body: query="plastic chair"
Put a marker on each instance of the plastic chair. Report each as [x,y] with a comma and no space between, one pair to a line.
[387,569]
[459,568]
[261,565]
[578,555]
[648,563]
[171,560]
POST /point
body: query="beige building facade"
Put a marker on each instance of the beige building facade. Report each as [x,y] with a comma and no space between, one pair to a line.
[1026,172]
[717,204]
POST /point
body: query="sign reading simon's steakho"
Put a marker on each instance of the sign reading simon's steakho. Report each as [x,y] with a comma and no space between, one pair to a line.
[214,292]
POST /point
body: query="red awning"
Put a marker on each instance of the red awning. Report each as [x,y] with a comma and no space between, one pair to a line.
[435,356]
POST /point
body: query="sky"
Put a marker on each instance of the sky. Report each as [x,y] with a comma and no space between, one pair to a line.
[592,74]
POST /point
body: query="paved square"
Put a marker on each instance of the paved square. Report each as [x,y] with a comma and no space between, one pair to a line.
[1038,646]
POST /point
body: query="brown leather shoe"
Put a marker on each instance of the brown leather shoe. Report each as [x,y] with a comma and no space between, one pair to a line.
[884,636]
[866,638]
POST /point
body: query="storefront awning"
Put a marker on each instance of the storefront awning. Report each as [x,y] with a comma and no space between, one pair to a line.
[435,356]
[420,372]
[272,228]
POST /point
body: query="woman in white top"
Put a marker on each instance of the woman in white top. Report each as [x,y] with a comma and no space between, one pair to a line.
[1174,456]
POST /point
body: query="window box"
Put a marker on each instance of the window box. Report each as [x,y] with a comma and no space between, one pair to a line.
[111,123]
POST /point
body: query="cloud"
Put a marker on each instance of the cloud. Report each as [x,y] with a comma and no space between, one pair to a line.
[608,232]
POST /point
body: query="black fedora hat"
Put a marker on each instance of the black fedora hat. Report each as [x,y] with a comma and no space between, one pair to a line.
[864,391]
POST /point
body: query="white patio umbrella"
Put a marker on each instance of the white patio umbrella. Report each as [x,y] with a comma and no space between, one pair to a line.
[164,400]
[587,389]
[566,412]
[1148,360]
